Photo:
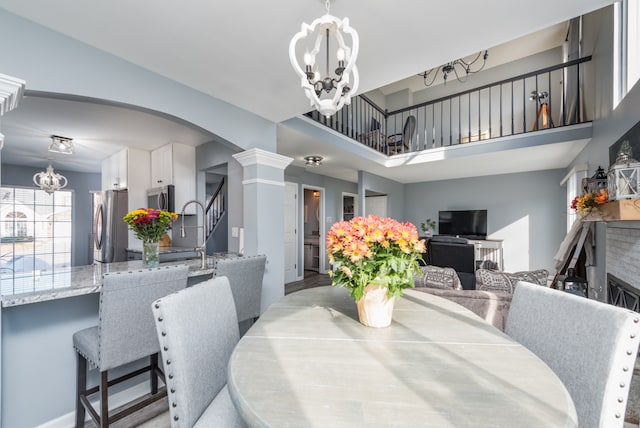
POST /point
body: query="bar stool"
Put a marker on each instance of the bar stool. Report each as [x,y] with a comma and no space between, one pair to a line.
[245,275]
[125,333]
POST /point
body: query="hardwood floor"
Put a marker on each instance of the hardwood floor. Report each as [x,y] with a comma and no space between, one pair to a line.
[157,415]
[311,279]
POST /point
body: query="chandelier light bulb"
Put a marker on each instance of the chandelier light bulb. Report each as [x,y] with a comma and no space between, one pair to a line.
[340,54]
[308,59]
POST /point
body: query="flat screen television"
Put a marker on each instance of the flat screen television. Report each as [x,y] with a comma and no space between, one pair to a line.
[464,223]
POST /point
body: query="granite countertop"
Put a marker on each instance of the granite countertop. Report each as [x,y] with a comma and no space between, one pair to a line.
[167,250]
[43,286]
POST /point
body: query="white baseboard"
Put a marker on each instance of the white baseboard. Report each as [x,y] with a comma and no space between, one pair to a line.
[116,400]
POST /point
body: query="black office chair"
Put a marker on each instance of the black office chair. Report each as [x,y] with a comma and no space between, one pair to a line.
[456,253]
[401,143]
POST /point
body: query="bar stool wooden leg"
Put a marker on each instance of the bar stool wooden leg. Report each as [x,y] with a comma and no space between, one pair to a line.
[104,400]
[81,389]
[154,373]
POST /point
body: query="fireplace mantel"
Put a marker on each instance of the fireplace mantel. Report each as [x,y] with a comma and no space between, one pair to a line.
[622,210]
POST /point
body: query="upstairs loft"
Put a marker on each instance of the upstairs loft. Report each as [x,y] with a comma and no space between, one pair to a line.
[506,126]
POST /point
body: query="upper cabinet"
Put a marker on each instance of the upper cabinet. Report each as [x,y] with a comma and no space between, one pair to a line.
[126,167]
[175,164]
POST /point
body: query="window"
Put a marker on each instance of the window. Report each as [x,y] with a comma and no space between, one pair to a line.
[573,181]
[35,236]
[626,47]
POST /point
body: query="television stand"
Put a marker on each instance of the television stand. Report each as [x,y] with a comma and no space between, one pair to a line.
[488,249]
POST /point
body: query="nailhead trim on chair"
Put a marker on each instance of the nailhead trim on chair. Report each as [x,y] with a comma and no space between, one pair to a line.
[170,387]
[629,360]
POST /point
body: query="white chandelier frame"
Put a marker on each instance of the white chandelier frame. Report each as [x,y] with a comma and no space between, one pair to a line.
[50,181]
[310,80]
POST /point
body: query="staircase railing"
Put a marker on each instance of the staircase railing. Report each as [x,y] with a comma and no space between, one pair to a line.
[545,98]
[216,207]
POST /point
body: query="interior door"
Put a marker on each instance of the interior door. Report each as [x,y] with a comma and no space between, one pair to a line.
[290,232]
[376,205]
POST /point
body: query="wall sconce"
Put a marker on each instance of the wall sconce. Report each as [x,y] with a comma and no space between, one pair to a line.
[49,181]
[313,160]
[60,144]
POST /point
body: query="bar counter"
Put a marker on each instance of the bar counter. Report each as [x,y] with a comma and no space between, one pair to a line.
[35,287]
[37,365]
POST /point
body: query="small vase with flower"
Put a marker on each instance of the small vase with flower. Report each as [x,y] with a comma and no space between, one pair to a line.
[149,225]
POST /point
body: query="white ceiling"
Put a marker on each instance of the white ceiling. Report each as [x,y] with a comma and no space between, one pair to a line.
[237,51]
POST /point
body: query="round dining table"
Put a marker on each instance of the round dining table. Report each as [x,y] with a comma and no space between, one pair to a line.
[308,362]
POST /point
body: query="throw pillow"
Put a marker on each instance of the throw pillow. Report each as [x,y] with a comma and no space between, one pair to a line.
[487,280]
[438,277]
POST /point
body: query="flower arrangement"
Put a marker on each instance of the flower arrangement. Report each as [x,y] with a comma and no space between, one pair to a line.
[590,201]
[150,224]
[373,250]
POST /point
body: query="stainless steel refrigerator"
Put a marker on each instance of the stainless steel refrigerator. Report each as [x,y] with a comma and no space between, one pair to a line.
[109,231]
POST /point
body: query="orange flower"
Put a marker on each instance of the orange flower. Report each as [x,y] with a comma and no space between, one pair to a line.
[367,250]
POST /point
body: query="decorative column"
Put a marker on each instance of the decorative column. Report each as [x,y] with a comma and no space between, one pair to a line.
[11,92]
[263,215]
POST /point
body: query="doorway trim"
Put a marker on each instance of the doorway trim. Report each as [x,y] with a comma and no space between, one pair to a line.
[322,226]
[290,186]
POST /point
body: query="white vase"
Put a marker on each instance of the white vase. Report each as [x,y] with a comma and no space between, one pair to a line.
[375,308]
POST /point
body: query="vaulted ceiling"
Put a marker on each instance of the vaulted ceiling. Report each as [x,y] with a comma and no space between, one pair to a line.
[237,51]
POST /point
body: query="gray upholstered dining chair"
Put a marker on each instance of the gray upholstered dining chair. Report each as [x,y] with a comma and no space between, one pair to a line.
[197,329]
[591,346]
[245,275]
[125,333]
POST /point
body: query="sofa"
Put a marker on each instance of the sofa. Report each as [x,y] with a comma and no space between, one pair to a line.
[491,298]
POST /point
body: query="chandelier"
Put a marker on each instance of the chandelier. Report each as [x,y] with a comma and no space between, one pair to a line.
[49,181]
[465,69]
[330,92]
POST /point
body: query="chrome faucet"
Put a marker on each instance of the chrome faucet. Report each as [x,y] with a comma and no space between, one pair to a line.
[202,248]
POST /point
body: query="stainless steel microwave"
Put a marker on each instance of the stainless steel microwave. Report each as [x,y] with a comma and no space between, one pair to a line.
[162,198]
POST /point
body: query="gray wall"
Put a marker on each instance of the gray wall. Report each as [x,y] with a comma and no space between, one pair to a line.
[525,210]
[41,392]
[81,184]
[368,182]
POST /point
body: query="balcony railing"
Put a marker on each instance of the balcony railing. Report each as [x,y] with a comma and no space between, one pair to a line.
[541,99]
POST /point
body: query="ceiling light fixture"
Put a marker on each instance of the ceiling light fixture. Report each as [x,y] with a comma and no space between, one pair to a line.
[60,144]
[49,181]
[450,67]
[339,88]
[313,160]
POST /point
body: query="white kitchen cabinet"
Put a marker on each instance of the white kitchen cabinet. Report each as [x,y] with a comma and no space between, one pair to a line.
[127,168]
[175,164]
